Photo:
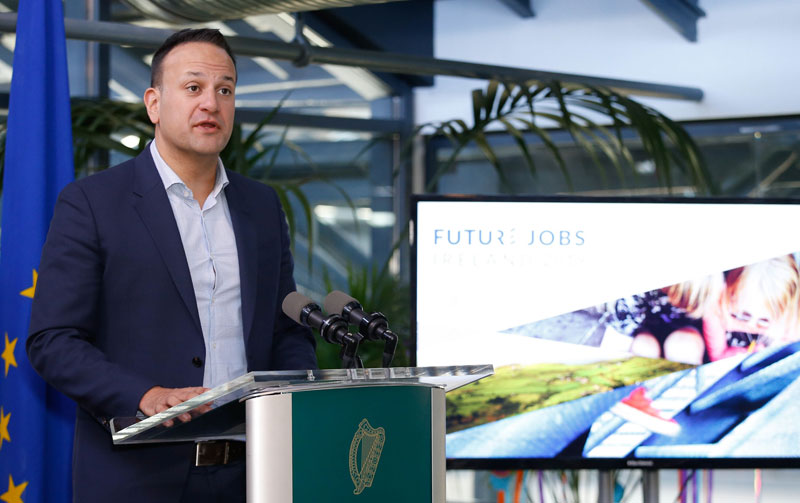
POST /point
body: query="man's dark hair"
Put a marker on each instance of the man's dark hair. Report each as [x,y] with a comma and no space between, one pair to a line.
[207,35]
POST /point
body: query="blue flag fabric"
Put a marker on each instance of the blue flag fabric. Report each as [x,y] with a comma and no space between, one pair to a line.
[36,422]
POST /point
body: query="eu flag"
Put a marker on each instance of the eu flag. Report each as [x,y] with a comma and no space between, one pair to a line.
[36,421]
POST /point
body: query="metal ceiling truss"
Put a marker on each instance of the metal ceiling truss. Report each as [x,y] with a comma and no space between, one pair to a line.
[682,15]
[523,8]
[182,11]
[125,34]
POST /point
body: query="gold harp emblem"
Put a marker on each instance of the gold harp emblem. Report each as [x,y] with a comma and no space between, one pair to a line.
[371,442]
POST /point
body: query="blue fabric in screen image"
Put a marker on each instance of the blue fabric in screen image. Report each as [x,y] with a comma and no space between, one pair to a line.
[741,407]
[750,412]
[541,433]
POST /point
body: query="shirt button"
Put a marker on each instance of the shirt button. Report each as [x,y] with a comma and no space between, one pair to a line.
[197,361]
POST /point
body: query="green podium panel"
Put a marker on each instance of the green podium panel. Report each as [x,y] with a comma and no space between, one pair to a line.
[357,444]
[362,445]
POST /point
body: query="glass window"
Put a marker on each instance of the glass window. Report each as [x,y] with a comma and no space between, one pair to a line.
[747,158]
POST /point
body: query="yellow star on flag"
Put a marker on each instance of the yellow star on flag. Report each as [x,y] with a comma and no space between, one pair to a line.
[14,493]
[8,354]
[4,419]
[28,292]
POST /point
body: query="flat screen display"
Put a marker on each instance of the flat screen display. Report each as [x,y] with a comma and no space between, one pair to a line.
[624,333]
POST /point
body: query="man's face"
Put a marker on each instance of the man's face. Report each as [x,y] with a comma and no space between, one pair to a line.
[193,106]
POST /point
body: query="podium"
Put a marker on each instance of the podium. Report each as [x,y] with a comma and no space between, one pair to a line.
[330,435]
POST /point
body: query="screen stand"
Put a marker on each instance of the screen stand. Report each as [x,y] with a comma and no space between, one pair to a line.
[605,486]
[650,486]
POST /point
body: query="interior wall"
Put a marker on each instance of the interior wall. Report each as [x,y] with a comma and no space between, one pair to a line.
[744,59]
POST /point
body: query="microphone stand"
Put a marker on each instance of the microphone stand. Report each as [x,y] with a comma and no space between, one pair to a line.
[331,331]
[374,326]
[389,347]
[349,352]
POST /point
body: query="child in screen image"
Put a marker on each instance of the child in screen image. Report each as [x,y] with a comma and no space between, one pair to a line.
[758,308]
[743,310]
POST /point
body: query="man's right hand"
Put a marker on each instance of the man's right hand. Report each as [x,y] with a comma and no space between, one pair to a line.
[158,399]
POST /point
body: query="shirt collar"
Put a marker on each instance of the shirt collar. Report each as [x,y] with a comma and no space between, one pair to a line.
[170,178]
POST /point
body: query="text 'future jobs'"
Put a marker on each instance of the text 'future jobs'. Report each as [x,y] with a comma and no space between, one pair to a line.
[507,237]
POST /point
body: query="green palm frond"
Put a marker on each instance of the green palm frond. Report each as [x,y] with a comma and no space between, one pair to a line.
[593,116]
[99,125]
[375,287]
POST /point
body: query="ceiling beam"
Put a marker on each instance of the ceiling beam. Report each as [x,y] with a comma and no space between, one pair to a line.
[681,15]
[124,34]
[280,118]
[523,8]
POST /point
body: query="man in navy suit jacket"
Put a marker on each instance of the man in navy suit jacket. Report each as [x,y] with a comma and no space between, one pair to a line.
[124,318]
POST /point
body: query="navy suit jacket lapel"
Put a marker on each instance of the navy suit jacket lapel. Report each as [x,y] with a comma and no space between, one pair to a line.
[244,227]
[153,207]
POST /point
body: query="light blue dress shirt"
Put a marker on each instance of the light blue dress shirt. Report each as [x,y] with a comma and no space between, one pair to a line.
[210,247]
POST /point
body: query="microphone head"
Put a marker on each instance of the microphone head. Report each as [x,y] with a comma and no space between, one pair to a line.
[336,301]
[293,306]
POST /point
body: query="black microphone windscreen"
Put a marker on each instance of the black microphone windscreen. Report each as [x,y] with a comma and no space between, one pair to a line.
[336,300]
[293,305]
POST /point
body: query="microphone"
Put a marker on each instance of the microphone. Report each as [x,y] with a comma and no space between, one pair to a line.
[332,329]
[372,326]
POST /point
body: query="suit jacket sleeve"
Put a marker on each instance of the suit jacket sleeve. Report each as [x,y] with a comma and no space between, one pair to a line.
[293,346]
[66,309]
